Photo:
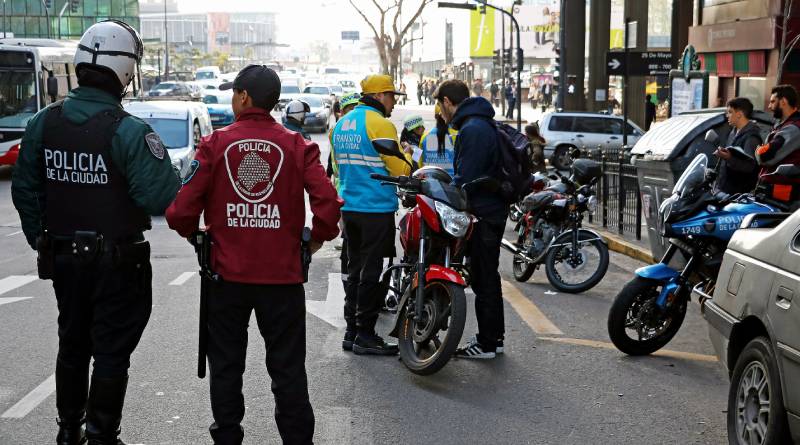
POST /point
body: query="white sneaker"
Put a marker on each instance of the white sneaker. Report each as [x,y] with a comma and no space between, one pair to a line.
[474,350]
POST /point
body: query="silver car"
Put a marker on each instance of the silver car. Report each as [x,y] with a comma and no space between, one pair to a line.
[565,131]
[754,324]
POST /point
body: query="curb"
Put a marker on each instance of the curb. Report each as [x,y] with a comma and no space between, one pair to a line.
[619,245]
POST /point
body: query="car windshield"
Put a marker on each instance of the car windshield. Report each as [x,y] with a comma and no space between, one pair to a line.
[692,176]
[318,90]
[312,101]
[336,89]
[347,83]
[290,89]
[218,99]
[17,98]
[164,86]
[205,75]
[173,132]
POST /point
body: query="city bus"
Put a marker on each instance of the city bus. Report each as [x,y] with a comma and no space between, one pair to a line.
[33,74]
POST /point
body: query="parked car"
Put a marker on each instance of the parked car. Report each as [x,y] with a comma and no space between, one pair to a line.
[565,131]
[319,118]
[219,108]
[349,86]
[207,73]
[179,124]
[754,325]
[321,90]
[174,89]
[290,90]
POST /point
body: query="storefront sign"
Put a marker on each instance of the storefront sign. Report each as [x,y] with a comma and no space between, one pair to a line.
[687,95]
[481,33]
[734,36]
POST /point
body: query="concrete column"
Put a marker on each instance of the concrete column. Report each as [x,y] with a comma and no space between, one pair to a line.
[682,19]
[575,46]
[599,37]
[636,10]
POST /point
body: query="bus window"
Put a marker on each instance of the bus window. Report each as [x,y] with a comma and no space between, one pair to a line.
[17,98]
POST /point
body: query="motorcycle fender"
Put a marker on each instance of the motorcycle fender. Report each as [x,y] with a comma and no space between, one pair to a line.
[659,272]
[434,273]
[565,238]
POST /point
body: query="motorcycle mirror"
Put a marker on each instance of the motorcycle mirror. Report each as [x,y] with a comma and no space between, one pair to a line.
[712,137]
[787,170]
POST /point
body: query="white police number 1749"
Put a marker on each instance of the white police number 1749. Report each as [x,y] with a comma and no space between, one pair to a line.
[691,230]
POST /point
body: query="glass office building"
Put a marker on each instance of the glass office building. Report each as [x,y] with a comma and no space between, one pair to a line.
[67,19]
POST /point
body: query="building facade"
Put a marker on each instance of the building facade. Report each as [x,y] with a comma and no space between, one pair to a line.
[247,37]
[64,19]
[739,43]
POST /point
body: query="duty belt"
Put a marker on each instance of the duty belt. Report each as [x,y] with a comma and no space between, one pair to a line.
[64,245]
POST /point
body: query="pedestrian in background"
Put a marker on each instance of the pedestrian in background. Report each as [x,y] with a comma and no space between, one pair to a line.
[438,144]
[365,142]
[649,112]
[420,90]
[476,157]
[403,90]
[249,185]
[511,99]
[88,227]
[537,146]
[493,90]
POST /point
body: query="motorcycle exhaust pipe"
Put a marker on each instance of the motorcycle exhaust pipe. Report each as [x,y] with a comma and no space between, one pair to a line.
[509,246]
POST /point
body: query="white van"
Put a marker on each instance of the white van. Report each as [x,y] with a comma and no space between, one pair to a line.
[207,73]
[179,124]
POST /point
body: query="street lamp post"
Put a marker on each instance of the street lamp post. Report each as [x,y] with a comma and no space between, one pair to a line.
[519,48]
[166,44]
[60,14]
[47,18]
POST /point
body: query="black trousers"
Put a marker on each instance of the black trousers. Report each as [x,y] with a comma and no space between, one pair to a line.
[484,252]
[103,308]
[369,238]
[281,317]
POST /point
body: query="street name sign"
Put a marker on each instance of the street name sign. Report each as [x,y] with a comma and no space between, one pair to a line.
[641,63]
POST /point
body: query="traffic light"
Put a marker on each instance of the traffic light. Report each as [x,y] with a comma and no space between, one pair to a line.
[520,59]
[496,58]
[73,6]
[506,56]
[557,63]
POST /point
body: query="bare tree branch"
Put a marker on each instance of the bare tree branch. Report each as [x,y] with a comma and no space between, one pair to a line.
[399,4]
[406,42]
[416,16]
[374,31]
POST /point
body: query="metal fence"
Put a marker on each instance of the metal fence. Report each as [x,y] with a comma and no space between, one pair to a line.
[619,201]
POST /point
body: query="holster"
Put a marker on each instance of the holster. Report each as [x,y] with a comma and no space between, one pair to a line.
[87,246]
[131,254]
[45,256]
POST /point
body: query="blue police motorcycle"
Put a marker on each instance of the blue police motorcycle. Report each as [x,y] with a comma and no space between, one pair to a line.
[698,222]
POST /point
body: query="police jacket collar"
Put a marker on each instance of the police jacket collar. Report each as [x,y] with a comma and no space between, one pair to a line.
[374,104]
[94,95]
[254,113]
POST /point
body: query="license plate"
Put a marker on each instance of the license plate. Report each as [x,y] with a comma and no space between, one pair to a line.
[216,118]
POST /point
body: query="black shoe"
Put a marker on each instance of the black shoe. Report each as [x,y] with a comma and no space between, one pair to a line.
[373,345]
[72,388]
[104,410]
[347,343]
[474,350]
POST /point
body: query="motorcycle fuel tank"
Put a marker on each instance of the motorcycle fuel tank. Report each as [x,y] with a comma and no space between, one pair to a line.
[717,223]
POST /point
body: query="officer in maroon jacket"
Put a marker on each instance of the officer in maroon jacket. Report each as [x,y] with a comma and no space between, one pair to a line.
[248,181]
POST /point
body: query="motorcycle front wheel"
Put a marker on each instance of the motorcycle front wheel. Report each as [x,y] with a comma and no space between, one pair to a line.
[426,345]
[636,325]
[575,271]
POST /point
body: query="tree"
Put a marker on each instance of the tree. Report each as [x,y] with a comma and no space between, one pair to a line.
[390,42]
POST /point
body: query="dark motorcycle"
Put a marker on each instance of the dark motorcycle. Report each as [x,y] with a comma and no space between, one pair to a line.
[432,309]
[539,181]
[550,233]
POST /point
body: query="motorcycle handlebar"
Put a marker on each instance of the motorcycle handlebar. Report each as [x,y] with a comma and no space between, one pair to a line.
[384,178]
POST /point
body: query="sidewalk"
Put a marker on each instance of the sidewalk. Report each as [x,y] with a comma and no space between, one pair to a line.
[626,244]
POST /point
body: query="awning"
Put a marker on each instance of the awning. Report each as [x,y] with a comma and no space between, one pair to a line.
[734,64]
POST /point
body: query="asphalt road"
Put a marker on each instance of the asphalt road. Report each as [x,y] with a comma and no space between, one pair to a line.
[559,382]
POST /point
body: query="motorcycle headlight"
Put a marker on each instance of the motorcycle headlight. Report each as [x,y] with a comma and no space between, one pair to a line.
[455,223]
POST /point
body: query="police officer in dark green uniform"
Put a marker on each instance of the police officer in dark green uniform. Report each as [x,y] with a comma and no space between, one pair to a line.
[87,180]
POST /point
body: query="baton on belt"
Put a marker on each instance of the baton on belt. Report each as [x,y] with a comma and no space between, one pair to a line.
[201,241]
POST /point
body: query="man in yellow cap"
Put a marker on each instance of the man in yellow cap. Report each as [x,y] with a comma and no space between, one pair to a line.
[364,141]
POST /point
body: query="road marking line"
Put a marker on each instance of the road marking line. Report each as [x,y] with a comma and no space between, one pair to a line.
[528,311]
[14,233]
[331,310]
[607,345]
[14,281]
[7,300]
[32,400]
[182,278]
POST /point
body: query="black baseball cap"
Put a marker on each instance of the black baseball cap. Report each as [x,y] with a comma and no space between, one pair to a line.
[260,82]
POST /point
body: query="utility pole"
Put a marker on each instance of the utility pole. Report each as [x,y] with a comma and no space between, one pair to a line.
[166,44]
[625,85]
[503,65]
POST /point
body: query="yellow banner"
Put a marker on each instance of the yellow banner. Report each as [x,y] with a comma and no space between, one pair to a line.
[481,34]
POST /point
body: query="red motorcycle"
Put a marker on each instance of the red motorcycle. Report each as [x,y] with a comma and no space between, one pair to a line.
[430,278]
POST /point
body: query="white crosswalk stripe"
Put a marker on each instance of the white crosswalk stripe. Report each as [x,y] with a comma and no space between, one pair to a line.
[7,300]
[12,282]
[182,279]
[32,400]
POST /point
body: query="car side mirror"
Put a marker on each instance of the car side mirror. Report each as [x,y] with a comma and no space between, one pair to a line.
[52,87]
[712,137]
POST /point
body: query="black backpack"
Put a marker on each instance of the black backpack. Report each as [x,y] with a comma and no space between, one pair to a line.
[514,163]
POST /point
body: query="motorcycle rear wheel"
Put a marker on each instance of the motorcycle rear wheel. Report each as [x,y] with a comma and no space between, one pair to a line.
[635,302]
[444,308]
[522,269]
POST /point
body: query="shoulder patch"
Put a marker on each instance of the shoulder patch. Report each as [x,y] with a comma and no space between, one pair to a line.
[156,146]
[193,167]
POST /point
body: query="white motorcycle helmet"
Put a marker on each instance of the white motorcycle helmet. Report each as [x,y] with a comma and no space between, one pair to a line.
[297,110]
[112,45]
